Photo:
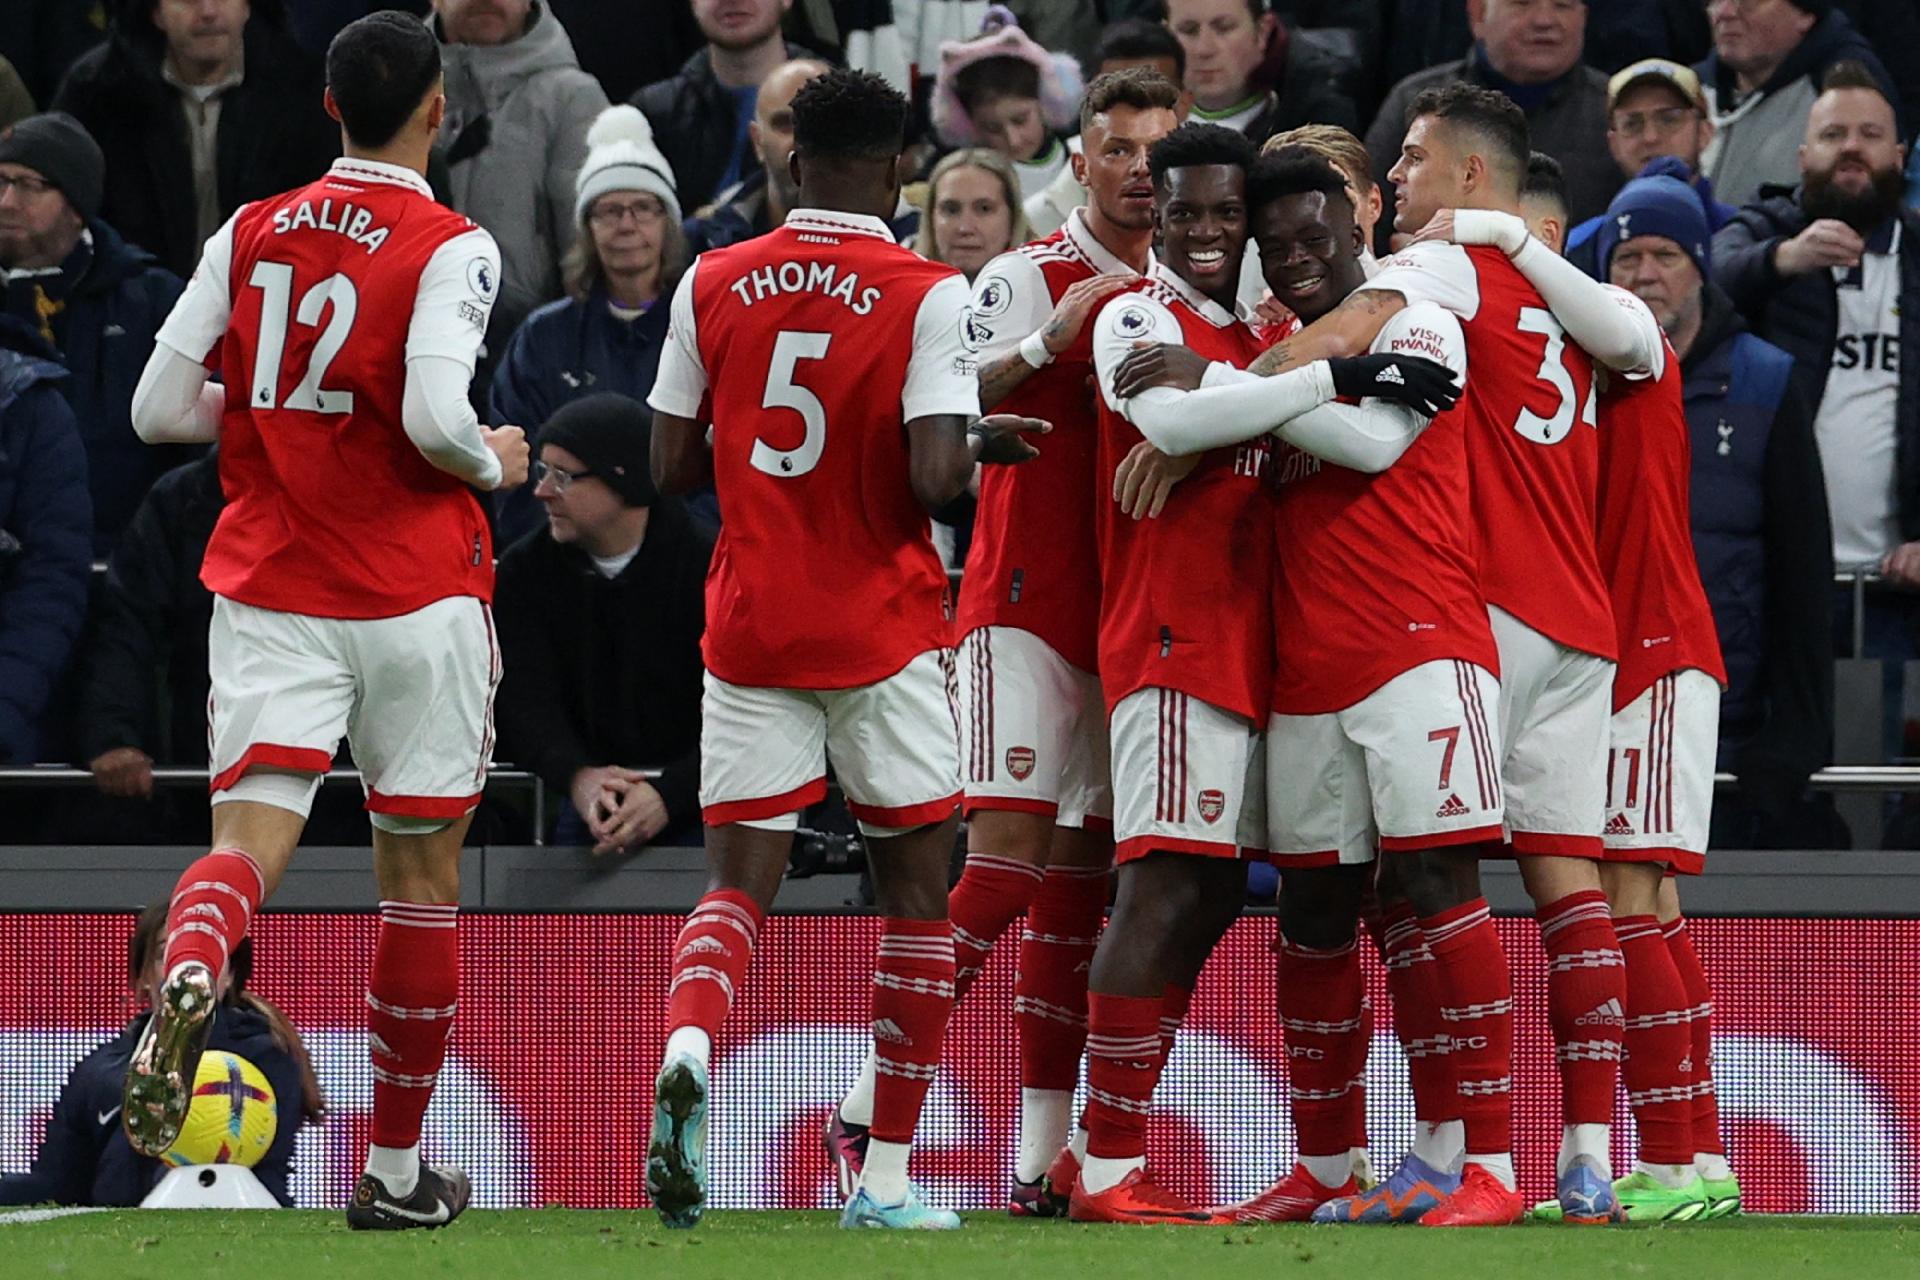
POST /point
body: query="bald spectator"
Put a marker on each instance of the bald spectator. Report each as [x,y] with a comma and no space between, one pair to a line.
[1769,58]
[1248,72]
[702,115]
[1529,50]
[518,109]
[1831,274]
[1656,125]
[199,107]
[762,201]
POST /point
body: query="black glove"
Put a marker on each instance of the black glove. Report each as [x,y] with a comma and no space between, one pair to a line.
[1423,385]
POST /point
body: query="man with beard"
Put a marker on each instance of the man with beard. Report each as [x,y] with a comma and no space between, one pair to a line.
[1828,274]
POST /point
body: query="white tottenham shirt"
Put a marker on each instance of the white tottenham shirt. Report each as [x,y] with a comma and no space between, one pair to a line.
[1856,427]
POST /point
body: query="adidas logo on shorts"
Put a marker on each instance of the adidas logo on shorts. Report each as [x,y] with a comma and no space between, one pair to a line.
[1618,825]
[1390,374]
[1609,1014]
[1453,808]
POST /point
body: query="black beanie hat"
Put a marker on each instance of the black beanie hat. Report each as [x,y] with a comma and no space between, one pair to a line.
[59,149]
[610,433]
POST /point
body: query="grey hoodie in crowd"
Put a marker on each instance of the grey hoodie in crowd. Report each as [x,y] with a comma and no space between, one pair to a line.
[515,137]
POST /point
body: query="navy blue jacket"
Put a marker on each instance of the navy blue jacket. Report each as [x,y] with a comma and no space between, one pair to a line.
[85,1158]
[565,350]
[45,526]
[104,334]
[1761,536]
[1801,315]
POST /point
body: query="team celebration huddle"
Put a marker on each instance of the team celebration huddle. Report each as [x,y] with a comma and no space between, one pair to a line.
[1373,570]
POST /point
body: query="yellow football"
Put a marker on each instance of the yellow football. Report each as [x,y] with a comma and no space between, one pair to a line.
[232,1119]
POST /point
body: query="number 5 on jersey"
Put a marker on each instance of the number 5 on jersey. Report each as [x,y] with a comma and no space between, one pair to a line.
[790,347]
[275,282]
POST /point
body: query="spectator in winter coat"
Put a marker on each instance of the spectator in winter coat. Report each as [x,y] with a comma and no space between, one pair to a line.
[1248,72]
[605,335]
[1759,513]
[46,523]
[95,300]
[199,107]
[85,1158]
[1529,50]
[600,616]
[701,113]
[1767,63]
[1830,273]
[760,202]
[518,109]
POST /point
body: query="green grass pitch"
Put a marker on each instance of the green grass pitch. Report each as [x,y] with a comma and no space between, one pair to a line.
[576,1245]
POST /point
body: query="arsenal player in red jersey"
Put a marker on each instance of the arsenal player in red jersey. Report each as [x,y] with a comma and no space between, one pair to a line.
[839,379]
[1033,726]
[351,570]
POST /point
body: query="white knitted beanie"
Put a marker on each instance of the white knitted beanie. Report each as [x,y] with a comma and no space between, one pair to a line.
[621,156]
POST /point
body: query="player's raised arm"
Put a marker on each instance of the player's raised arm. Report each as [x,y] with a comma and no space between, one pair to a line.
[1019,329]
[174,403]
[1612,325]
[1348,330]
[450,310]
[680,458]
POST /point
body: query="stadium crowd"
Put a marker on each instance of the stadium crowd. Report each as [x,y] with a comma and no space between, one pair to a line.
[133,131]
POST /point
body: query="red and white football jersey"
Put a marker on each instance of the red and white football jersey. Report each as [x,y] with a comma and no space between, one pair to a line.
[1186,598]
[1646,538]
[1532,441]
[315,300]
[825,574]
[1376,572]
[1034,561]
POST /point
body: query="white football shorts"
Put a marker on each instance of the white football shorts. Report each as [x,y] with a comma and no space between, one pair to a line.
[1555,707]
[412,695]
[1033,729]
[1192,778]
[1660,773]
[1413,765]
[894,746]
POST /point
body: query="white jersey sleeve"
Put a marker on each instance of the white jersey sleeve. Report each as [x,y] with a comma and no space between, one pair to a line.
[1652,337]
[199,319]
[458,287]
[681,383]
[1010,301]
[1610,324]
[1442,274]
[943,372]
[1123,323]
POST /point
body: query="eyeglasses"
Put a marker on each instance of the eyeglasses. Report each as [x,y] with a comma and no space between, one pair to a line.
[27,185]
[644,212]
[1664,120]
[561,480]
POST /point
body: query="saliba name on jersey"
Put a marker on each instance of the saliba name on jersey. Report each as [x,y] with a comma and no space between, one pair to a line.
[806,277]
[353,221]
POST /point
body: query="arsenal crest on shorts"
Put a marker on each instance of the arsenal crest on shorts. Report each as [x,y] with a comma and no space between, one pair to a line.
[1213,803]
[1020,763]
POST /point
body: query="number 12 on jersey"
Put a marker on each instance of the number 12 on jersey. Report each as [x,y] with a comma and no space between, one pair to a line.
[275,282]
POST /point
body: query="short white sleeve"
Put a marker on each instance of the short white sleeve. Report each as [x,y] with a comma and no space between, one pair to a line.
[1010,301]
[1432,272]
[943,373]
[681,383]
[199,319]
[455,298]
[1123,323]
[1424,329]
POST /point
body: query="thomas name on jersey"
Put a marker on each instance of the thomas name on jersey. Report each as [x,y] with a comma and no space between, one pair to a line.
[351,220]
[806,277]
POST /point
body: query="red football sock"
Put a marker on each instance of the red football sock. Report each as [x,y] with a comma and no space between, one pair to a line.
[1699,996]
[1050,986]
[1658,1043]
[1322,1003]
[410,1002]
[1413,980]
[993,892]
[710,960]
[912,999]
[1586,1002]
[213,904]
[1477,988]
[1174,1003]
[1123,1065]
